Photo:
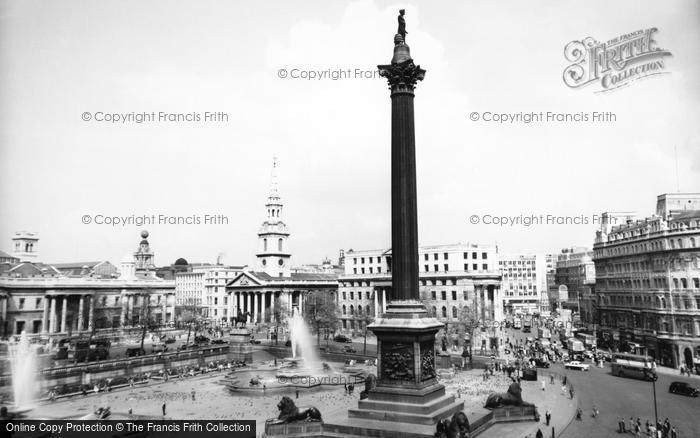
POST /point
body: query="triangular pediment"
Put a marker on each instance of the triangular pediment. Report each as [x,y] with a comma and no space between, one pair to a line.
[244,279]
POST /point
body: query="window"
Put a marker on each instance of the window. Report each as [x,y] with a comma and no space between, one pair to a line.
[444,256]
[21,304]
[454,295]
[483,256]
[352,295]
[444,312]
[474,255]
[475,267]
[426,268]
[485,267]
[447,268]
[443,295]
[433,295]
[466,267]
[264,245]
[454,312]
[435,267]
[465,255]
[37,303]
[344,310]
[344,296]
[425,256]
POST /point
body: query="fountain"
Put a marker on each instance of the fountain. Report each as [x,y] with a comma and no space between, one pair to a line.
[301,340]
[23,363]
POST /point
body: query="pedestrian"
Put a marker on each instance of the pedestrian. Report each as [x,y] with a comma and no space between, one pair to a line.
[297,393]
[164,409]
[579,414]
[595,411]
[193,394]
[622,424]
[571,392]
[551,379]
[631,424]
[539,434]
[674,433]
[548,417]
[564,381]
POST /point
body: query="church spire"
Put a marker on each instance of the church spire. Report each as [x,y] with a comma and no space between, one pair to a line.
[274,203]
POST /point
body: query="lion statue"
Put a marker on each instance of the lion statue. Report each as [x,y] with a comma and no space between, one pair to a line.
[511,398]
[370,383]
[290,413]
[457,427]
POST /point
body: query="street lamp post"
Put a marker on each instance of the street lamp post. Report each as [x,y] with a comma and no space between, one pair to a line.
[653,385]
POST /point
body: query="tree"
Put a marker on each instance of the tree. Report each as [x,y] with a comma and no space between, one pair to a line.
[101,318]
[468,318]
[147,319]
[279,316]
[321,313]
[365,319]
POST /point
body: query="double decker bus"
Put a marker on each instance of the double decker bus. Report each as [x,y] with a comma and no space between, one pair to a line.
[517,323]
[633,365]
[588,340]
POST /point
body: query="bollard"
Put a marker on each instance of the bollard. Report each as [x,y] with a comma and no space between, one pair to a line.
[553,434]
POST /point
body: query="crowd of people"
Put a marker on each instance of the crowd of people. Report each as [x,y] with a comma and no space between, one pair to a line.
[651,429]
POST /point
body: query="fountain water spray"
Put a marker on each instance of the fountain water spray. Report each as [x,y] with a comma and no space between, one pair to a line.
[302,345]
[23,363]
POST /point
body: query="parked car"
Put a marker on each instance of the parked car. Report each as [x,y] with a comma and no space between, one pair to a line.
[342,338]
[683,388]
[588,354]
[349,349]
[170,340]
[576,365]
[254,341]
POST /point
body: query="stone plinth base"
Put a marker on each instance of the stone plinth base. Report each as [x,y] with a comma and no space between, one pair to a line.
[239,336]
[407,390]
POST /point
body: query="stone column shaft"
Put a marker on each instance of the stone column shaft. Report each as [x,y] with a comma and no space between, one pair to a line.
[250,306]
[81,325]
[256,298]
[45,316]
[91,314]
[272,307]
[64,312]
[52,317]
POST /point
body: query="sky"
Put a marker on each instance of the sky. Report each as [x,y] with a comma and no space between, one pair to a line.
[61,61]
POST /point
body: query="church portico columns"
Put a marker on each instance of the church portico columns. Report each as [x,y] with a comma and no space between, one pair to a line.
[45,316]
[250,306]
[52,316]
[256,298]
[64,312]
[263,298]
[91,314]
[81,326]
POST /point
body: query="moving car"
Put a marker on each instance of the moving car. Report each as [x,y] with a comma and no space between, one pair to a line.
[576,365]
[684,389]
[348,349]
[342,338]
[541,363]
[160,348]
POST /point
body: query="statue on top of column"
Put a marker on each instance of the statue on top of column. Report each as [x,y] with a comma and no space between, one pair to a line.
[402,25]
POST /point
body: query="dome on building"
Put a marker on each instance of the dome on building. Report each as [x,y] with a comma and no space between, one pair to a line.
[181,262]
[144,234]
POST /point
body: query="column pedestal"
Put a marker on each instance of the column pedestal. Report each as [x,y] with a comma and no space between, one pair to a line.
[407,389]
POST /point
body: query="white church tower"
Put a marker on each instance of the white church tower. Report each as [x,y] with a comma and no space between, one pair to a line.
[273,256]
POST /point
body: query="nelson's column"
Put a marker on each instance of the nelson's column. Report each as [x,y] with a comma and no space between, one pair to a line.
[407,390]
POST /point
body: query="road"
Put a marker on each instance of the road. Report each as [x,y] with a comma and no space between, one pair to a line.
[618,396]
